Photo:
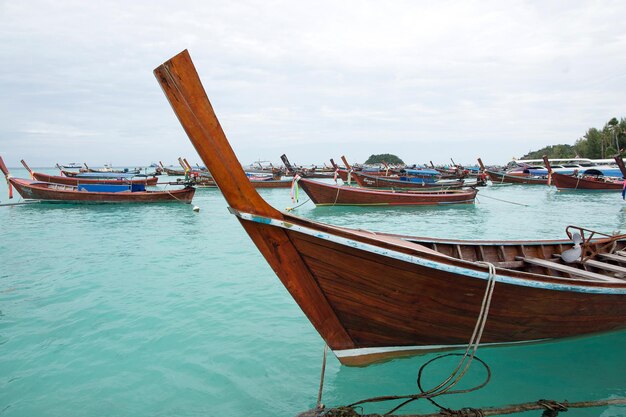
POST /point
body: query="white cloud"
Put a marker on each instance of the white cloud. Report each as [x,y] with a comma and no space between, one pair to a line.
[425,79]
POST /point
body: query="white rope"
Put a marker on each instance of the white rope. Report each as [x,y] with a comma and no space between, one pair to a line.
[474,342]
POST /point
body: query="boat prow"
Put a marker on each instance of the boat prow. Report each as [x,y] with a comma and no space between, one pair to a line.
[374,296]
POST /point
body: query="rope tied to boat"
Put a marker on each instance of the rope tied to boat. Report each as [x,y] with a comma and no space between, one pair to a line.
[463,412]
[445,387]
[551,408]
[295,190]
[9,185]
[299,205]
[505,201]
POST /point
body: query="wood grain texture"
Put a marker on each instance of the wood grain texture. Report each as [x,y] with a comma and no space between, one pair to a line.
[375,290]
[328,194]
[48,192]
[377,181]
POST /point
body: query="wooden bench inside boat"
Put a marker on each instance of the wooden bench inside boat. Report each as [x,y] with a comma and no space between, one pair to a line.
[613,257]
[606,266]
[574,272]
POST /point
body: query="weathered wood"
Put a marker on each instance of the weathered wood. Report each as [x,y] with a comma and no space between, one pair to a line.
[568,269]
[183,89]
[330,194]
[375,296]
[605,266]
[613,257]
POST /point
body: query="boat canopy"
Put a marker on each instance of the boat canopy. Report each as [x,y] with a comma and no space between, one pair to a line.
[432,172]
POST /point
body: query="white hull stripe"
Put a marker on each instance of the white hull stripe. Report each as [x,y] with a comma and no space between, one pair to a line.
[427,263]
[347,353]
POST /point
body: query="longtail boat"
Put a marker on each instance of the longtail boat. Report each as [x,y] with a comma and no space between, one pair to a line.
[305,172]
[378,181]
[109,169]
[497,177]
[339,172]
[172,172]
[72,165]
[323,194]
[93,193]
[375,296]
[57,179]
[394,181]
[100,175]
[585,181]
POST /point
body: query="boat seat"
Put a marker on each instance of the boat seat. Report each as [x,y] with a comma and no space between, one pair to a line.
[606,266]
[575,272]
[613,257]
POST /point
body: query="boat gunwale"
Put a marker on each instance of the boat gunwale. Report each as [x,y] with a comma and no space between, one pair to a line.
[510,276]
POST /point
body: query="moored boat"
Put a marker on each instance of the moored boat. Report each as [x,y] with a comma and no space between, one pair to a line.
[589,179]
[375,296]
[76,180]
[109,169]
[313,172]
[172,172]
[500,177]
[323,194]
[378,181]
[93,193]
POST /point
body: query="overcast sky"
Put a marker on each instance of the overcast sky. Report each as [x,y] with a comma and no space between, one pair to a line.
[425,80]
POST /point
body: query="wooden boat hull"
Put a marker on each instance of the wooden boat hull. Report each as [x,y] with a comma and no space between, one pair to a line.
[370,181]
[75,180]
[327,194]
[374,296]
[501,177]
[61,193]
[271,184]
[173,172]
[394,303]
[569,182]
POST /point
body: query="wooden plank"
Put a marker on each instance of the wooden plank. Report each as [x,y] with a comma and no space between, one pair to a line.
[501,253]
[480,253]
[509,264]
[613,257]
[568,269]
[458,250]
[605,266]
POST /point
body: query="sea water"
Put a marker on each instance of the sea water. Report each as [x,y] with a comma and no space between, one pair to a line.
[156,310]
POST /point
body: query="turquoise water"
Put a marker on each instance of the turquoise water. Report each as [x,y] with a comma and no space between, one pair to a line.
[154,310]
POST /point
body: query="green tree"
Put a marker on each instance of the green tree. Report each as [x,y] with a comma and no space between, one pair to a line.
[552,151]
[591,145]
[384,157]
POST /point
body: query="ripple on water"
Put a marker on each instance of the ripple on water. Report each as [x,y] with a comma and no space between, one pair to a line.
[156,310]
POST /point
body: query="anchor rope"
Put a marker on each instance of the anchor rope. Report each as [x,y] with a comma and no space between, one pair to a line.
[506,201]
[445,387]
[299,205]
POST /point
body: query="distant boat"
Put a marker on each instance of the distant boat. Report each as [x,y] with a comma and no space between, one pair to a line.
[72,165]
[100,175]
[86,178]
[589,179]
[109,169]
[94,193]
[376,296]
[341,195]
[370,179]
[525,177]
[312,172]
